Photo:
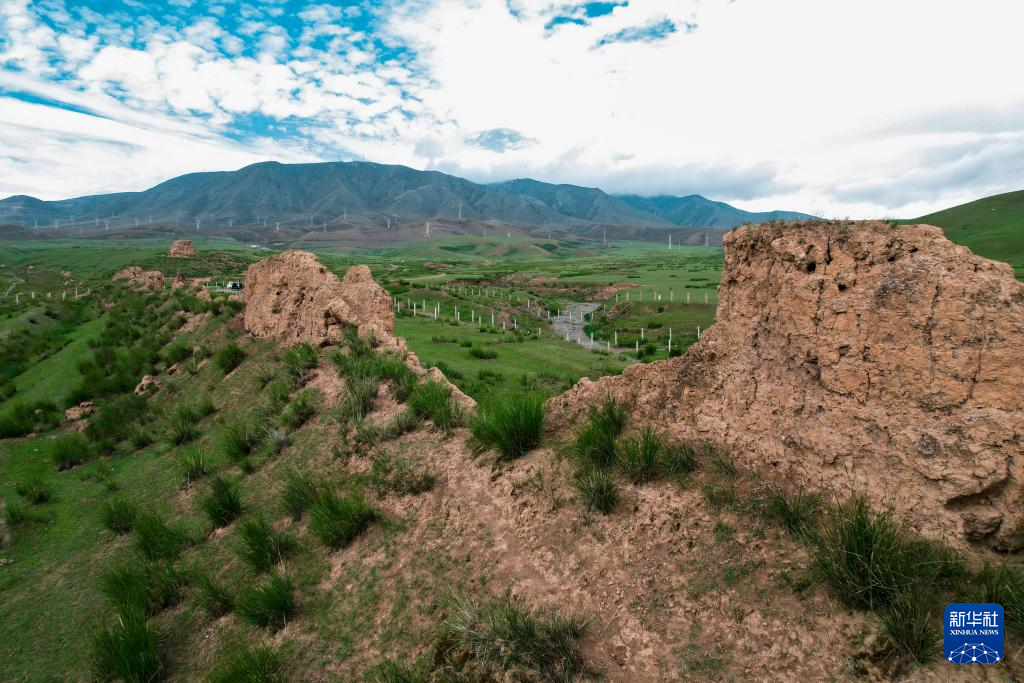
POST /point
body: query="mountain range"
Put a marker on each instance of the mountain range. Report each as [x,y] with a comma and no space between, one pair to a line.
[272,196]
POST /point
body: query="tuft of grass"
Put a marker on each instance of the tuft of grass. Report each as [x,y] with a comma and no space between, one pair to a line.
[642,459]
[270,604]
[139,437]
[299,493]
[223,503]
[156,539]
[395,475]
[191,463]
[17,514]
[126,650]
[511,426]
[508,639]
[212,597]
[299,360]
[402,378]
[181,426]
[598,489]
[150,587]
[1004,585]
[254,664]
[118,515]
[176,352]
[264,375]
[719,496]
[679,460]
[301,408]
[433,400]
[596,442]
[70,450]
[238,438]
[907,622]
[390,671]
[361,392]
[796,513]
[337,520]
[262,547]
[483,354]
[34,488]
[229,357]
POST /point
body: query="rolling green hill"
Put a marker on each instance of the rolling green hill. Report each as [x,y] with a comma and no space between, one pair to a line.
[992,227]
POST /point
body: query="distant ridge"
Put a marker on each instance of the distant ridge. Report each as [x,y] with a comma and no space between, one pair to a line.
[365,195]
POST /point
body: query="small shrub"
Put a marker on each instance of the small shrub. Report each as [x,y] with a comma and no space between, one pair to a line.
[229,357]
[223,504]
[156,539]
[796,513]
[259,664]
[509,639]
[126,650]
[269,605]
[402,378]
[70,450]
[511,426]
[262,547]
[1004,585]
[642,459]
[483,354]
[299,493]
[181,426]
[597,488]
[118,515]
[17,514]
[177,352]
[719,496]
[302,407]
[147,586]
[679,460]
[139,437]
[191,464]
[336,521]
[34,488]
[212,597]
[361,392]
[433,400]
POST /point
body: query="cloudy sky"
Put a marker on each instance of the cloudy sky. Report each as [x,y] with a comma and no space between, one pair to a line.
[837,107]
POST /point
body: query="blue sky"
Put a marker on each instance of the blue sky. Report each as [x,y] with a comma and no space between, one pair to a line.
[861,108]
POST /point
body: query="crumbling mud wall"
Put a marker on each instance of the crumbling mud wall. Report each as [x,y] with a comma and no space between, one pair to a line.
[293,297]
[856,357]
[152,280]
[182,249]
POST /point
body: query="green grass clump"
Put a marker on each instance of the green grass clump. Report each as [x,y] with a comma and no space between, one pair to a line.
[156,539]
[511,426]
[509,639]
[298,494]
[642,459]
[337,520]
[299,360]
[176,352]
[223,503]
[395,370]
[25,418]
[238,438]
[34,488]
[70,450]
[433,400]
[147,586]
[719,496]
[262,547]
[126,650]
[596,442]
[301,408]
[212,597]
[361,392]
[118,515]
[191,463]
[259,664]
[18,514]
[270,604]
[907,621]
[796,513]
[181,425]
[483,354]
[394,475]
[598,489]
[1004,585]
[229,357]
[139,436]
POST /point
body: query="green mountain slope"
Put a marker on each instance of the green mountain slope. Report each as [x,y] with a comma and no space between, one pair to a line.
[992,227]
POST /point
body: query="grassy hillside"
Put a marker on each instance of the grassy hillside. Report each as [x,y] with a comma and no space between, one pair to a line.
[992,227]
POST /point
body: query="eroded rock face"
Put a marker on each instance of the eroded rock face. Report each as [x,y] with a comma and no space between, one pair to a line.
[857,357]
[152,280]
[182,249]
[292,297]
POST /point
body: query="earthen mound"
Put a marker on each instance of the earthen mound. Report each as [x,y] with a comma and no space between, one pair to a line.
[182,249]
[856,357]
[293,297]
[152,280]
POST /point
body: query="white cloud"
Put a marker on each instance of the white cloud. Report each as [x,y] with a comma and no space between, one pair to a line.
[865,108]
